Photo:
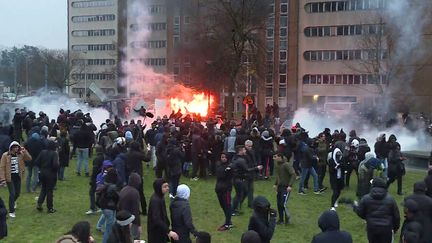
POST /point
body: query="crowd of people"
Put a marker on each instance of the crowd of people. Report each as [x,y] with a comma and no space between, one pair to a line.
[37,150]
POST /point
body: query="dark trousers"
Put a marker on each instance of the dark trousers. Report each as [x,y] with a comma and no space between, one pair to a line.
[173,184]
[225,203]
[336,185]
[321,171]
[241,193]
[379,236]
[14,188]
[282,199]
[160,168]
[142,198]
[397,178]
[47,190]
[296,166]
[250,192]
[268,165]
[199,163]
[92,194]
[349,170]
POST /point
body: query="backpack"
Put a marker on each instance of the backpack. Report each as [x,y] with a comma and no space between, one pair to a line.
[107,196]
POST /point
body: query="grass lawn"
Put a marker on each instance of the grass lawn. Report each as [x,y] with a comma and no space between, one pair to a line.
[71,201]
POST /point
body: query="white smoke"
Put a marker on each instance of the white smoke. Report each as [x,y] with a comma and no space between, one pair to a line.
[316,124]
[51,104]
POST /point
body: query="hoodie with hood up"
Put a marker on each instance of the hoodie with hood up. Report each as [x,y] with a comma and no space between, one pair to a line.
[259,221]
[379,209]
[157,217]
[329,225]
[230,142]
[181,216]
[129,198]
[5,163]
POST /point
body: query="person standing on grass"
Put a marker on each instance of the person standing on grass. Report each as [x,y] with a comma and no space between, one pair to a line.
[285,178]
[3,224]
[64,153]
[107,199]
[157,220]
[34,146]
[329,225]
[181,216]
[48,162]
[12,166]
[121,230]
[380,211]
[82,142]
[97,168]
[129,200]
[223,190]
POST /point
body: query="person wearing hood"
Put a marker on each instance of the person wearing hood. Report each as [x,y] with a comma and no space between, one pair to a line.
[250,236]
[366,172]
[48,162]
[121,230]
[129,200]
[267,149]
[285,178]
[413,222]
[82,143]
[134,163]
[263,219]
[424,204]
[34,146]
[158,230]
[97,167]
[223,190]
[230,144]
[64,153]
[380,211]
[175,156]
[119,163]
[181,216]
[12,167]
[330,227]
[382,151]
[396,167]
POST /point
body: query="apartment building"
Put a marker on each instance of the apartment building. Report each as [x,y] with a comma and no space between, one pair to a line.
[94,39]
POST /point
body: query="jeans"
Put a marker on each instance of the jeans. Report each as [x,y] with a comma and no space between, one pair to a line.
[109,217]
[304,172]
[48,183]
[60,174]
[32,178]
[225,203]
[82,158]
[14,188]
[153,155]
[282,200]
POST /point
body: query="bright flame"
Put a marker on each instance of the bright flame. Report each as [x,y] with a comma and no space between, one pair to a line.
[199,104]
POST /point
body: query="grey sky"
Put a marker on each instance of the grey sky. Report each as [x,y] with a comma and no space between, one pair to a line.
[33,22]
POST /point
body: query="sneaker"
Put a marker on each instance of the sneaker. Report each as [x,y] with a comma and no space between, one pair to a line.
[12,215]
[223,228]
[195,179]
[52,210]
[323,189]
[99,211]
[90,212]
[333,208]
[235,214]
[302,193]
[171,196]
[336,204]
[318,192]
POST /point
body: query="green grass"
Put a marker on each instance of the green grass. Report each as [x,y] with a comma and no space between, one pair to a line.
[71,201]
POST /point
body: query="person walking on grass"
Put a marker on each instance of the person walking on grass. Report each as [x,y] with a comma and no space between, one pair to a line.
[48,162]
[12,166]
[285,178]
[181,215]
[223,190]
[129,200]
[34,146]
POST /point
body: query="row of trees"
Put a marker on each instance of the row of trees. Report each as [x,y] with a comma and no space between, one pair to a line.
[26,68]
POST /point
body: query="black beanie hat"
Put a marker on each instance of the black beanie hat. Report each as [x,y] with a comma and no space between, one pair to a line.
[379,182]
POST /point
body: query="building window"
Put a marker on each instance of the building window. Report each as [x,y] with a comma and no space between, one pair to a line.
[176,41]
[176,20]
[155,9]
[282,68]
[186,20]
[284,8]
[283,21]
[149,44]
[344,79]
[93,76]
[347,5]
[282,79]
[100,47]
[269,91]
[92,4]
[343,30]
[270,32]
[151,61]
[102,62]
[282,92]
[176,70]
[83,33]
[269,56]
[93,18]
[283,31]
[337,55]
[283,55]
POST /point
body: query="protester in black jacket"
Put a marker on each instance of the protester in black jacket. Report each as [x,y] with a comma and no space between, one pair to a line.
[380,211]
[48,162]
[428,181]
[223,190]
[64,153]
[331,233]
[175,156]
[97,166]
[129,200]
[260,222]
[424,204]
[134,163]
[412,222]
[158,230]
[82,142]
[252,163]
[181,216]
[34,146]
[396,168]
[3,224]
[240,174]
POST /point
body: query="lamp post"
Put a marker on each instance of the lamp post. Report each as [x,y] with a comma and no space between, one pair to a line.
[85,77]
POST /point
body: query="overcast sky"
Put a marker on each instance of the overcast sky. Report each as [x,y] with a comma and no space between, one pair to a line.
[33,22]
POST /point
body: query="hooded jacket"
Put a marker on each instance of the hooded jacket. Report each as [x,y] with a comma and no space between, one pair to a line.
[424,209]
[379,209]
[119,163]
[157,219]
[428,181]
[223,178]
[230,142]
[129,198]
[259,221]
[181,217]
[48,160]
[266,143]
[329,225]
[5,163]
[285,173]
[34,146]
